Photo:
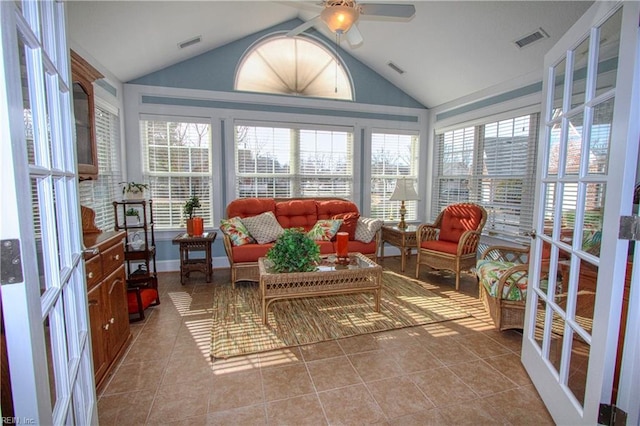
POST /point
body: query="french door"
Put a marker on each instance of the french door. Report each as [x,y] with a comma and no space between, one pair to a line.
[44,304]
[586,172]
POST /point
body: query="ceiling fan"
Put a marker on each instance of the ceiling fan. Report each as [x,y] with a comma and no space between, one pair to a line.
[340,16]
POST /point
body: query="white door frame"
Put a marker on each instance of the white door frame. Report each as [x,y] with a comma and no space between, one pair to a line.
[564,408]
[44,302]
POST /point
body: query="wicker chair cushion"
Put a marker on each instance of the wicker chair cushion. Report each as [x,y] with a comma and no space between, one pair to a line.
[147,295]
[458,219]
[250,252]
[489,273]
[327,209]
[360,247]
[441,246]
[324,230]
[237,232]
[297,214]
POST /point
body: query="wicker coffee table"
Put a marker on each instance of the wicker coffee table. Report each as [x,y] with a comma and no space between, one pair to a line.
[361,275]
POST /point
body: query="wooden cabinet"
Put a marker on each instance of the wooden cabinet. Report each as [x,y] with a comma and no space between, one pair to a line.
[83,75]
[107,298]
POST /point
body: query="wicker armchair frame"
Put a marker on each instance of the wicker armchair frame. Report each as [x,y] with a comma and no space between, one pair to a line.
[465,257]
[506,314]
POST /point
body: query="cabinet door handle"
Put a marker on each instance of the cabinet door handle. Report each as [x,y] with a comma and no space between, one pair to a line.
[112,320]
[106,326]
[90,275]
[116,257]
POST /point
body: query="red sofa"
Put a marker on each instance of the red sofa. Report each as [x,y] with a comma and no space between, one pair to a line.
[290,213]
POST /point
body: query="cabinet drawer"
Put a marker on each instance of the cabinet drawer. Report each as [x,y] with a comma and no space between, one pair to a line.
[112,258]
[93,271]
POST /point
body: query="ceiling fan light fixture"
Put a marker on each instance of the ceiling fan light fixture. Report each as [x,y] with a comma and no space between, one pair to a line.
[339,19]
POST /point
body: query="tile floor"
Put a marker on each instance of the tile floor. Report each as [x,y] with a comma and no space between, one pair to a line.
[451,373]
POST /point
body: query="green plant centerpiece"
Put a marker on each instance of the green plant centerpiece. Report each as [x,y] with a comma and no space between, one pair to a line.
[133,190]
[294,251]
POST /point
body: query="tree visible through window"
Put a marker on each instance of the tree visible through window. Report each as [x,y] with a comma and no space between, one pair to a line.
[177,165]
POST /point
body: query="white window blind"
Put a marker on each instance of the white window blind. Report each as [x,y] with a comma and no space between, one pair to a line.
[177,165]
[99,194]
[492,164]
[392,156]
[287,161]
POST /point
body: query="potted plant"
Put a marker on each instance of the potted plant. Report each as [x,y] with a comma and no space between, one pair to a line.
[194,223]
[133,190]
[294,251]
[132,217]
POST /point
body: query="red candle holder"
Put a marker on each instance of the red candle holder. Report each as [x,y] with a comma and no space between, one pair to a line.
[342,249]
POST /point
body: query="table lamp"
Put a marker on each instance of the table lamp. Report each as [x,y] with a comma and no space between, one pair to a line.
[404,191]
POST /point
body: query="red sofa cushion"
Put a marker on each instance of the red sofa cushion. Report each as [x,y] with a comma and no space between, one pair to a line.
[250,252]
[329,208]
[297,214]
[441,246]
[349,224]
[360,247]
[326,247]
[245,207]
[457,220]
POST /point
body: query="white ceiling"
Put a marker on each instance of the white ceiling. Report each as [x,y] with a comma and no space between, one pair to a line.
[449,49]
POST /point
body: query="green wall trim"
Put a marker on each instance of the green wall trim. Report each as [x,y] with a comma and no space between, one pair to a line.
[163,100]
[106,86]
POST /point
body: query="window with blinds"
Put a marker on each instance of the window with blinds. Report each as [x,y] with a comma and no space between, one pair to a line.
[289,161]
[177,165]
[393,156]
[99,194]
[492,164]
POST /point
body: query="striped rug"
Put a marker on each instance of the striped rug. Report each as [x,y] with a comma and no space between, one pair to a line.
[238,329]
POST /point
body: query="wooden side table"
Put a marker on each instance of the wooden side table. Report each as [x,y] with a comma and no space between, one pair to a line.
[404,239]
[195,243]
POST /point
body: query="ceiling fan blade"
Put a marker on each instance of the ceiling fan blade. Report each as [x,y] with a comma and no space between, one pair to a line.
[388,9]
[303,27]
[354,37]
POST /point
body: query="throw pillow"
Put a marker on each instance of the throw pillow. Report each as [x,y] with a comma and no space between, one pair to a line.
[237,232]
[367,228]
[324,229]
[349,223]
[263,227]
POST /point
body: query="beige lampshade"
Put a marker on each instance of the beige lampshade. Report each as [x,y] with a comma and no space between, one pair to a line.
[404,191]
[339,19]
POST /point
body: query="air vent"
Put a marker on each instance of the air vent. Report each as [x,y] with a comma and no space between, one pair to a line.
[539,34]
[395,67]
[190,42]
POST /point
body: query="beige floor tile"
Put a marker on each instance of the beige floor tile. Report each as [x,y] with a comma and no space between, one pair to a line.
[254,415]
[482,345]
[135,376]
[234,390]
[195,369]
[470,413]
[424,418]
[178,401]
[520,406]
[375,365]
[414,358]
[483,379]
[321,350]
[442,387]
[301,410]
[286,382]
[398,397]
[332,373]
[357,344]
[130,408]
[281,358]
[352,405]
[147,351]
[511,366]
[448,350]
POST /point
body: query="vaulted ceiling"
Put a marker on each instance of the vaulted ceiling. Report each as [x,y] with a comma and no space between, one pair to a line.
[448,50]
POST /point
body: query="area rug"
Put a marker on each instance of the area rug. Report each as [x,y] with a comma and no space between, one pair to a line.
[237,327]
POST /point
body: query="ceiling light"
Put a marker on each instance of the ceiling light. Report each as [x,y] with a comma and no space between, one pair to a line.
[339,19]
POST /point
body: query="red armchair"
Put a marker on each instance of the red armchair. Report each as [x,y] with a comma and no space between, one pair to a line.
[452,240]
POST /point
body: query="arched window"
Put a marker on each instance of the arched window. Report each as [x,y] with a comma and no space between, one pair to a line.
[293,66]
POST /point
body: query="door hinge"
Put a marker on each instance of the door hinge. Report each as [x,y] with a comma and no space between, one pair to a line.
[10,262]
[610,415]
[629,228]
